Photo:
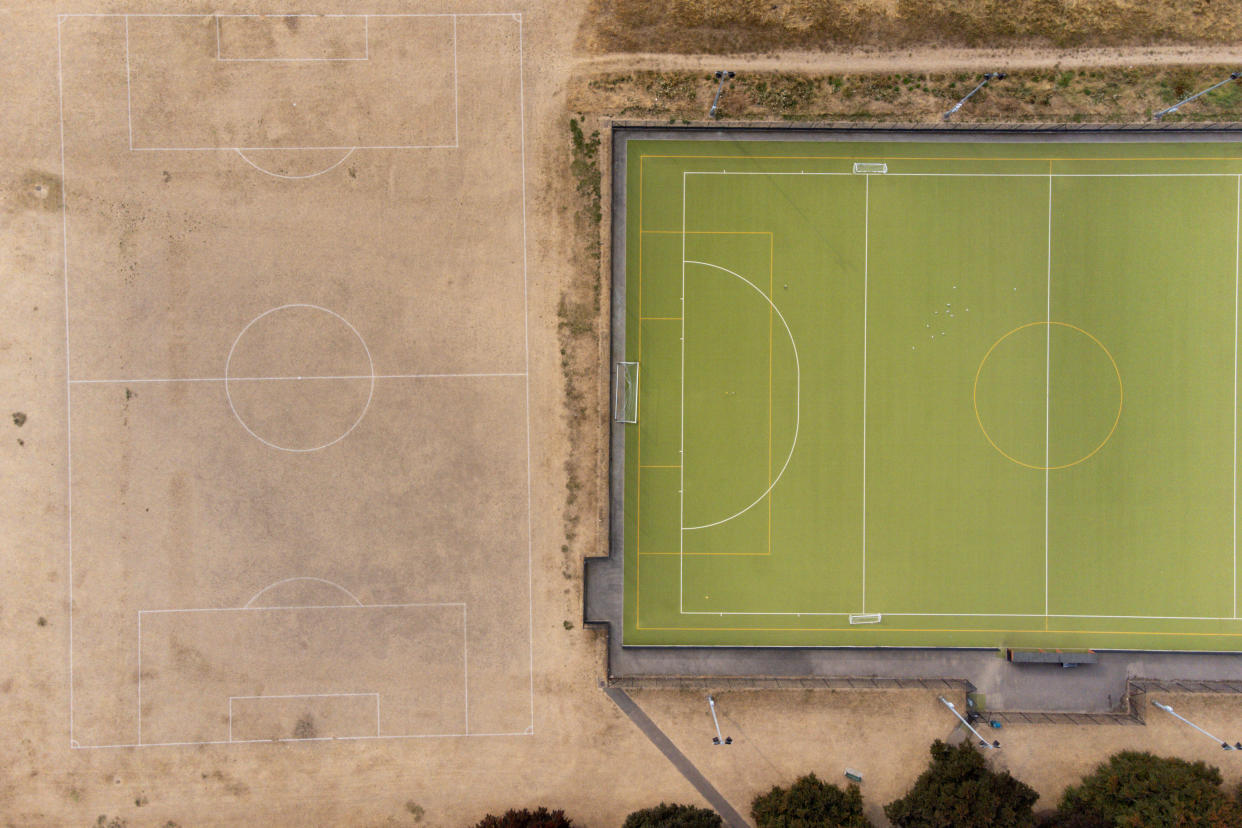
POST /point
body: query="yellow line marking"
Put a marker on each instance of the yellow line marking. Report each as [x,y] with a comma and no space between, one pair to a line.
[953,158]
[709,232]
[707,554]
[855,628]
[771,299]
[1121,393]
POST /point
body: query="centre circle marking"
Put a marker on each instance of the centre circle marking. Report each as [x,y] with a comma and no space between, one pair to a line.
[370,371]
[1121,393]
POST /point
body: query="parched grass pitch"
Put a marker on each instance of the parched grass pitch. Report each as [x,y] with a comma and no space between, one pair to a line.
[932,394]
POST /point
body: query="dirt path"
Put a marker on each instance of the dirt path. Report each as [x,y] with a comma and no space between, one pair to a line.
[920,59]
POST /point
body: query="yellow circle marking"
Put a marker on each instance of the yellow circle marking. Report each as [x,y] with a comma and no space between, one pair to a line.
[1121,393]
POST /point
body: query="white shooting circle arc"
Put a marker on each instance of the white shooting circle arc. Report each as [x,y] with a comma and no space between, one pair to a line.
[797,399]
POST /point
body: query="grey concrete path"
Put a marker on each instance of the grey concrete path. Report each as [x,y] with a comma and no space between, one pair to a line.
[652,731]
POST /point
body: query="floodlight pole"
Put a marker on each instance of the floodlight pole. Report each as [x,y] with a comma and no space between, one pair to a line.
[1170,711]
[721,76]
[987,77]
[717,739]
[1232,77]
[993,745]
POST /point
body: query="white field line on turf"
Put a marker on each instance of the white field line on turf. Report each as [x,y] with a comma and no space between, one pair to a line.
[530,538]
[69,381]
[681,451]
[239,150]
[456,130]
[135,381]
[1046,614]
[797,397]
[247,609]
[515,15]
[64,219]
[314,739]
[981,615]
[129,95]
[1047,393]
[366,40]
[284,581]
[1237,241]
[976,175]
[866,260]
[327,169]
[301,696]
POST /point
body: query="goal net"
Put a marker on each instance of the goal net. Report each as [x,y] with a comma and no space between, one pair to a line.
[864,169]
[625,395]
[866,618]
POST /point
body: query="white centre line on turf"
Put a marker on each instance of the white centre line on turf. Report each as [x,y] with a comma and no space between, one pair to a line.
[1047,393]
[1237,237]
[866,255]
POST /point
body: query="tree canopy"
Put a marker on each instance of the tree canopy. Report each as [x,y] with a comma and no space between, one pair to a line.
[810,803]
[540,818]
[958,790]
[673,816]
[1137,788]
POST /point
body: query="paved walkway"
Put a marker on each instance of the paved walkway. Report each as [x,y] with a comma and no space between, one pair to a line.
[649,728]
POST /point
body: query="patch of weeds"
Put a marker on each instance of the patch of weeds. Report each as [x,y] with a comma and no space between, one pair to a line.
[415,810]
[569,625]
[305,727]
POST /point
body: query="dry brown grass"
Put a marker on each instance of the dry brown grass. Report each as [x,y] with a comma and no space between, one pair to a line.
[710,26]
[1107,95]
[579,320]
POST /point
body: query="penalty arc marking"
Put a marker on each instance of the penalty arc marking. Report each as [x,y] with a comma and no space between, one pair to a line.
[797,400]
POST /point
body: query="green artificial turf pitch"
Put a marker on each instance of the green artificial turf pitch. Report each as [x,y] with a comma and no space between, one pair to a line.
[989,394]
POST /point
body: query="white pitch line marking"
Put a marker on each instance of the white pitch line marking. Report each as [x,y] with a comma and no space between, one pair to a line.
[138,380]
[1237,240]
[681,452]
[64,223]
[1048,394]
[866,259]
[129,99]
[530,538]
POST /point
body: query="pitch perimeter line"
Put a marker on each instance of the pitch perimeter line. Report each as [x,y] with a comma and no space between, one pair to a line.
[1237,240]
[64,223]
[294,379]
[530,537]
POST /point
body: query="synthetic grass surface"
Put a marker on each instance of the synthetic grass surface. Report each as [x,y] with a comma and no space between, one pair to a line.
[989,394]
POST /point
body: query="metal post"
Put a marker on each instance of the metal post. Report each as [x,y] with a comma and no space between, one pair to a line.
[721,76]
[982,741]
[717,739]
[987,77]
[1169,710]
[1232,77]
